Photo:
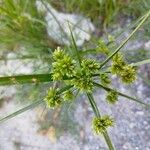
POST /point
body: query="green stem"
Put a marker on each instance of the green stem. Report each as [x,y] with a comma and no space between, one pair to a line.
[97,114]
[23,79]
[20,111]
[126,40]
[75,47]
[107,139]
[147,61]
[121,94]
[91,99]
[93,104]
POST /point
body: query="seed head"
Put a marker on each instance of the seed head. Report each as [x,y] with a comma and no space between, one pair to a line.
[112,97]
[68,95]
[53,99]
[128,74]
[100,124]
[90,66]
[105,80]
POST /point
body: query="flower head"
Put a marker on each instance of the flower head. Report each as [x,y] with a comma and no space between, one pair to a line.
[123,70]
[68,95]
[128,74]
[53,99]
[82,81]
[100,124]
[105,80]
[90,66]
[58,54]
[112,97]
[102,47]
[117,64]
[63,65]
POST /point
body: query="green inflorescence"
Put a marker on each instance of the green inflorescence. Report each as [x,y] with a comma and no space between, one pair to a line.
[68,95]
[102,47]
[128,75]
[112,97]
[63,65]
[82,81]
[53,99]
[81,78]
[104,78]
[90,66]
[126,72]
[100,124]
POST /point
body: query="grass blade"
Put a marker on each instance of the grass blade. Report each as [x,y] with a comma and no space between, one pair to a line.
[22,79]
[31,106]
[145,80]
[122,94]
[93,104]
[75,46]
[147,61]
[127,39]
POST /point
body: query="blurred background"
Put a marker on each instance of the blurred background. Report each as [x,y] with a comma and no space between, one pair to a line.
[30,30]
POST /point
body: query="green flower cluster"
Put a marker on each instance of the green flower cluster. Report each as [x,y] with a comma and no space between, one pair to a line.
[102,47]
[128,75]
[78,77]
[68,95]
[53,99]
[90,66]
[100,124]
[125,71]
[83,76]
[105,80]
[63,65]
[82,81]
[112,97]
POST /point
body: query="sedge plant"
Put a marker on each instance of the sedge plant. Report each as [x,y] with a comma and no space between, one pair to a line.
[74,73]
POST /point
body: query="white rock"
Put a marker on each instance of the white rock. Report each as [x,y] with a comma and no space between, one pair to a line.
[59,25]
[147,45]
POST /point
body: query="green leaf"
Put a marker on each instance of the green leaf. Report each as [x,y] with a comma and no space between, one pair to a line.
[22,79]
[122,94]
[93,104]
[147,61]
[146,81]
[75,46]
[31,106]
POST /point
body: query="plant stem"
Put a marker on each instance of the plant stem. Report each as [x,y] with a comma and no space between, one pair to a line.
[20,111]
[121,94]
[75,47]
[147,61]
[92,101]
[23,79]
[127,39]
[108,141]
[93,104]
[97,114]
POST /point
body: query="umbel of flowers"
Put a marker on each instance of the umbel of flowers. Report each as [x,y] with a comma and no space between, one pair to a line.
[81,77]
